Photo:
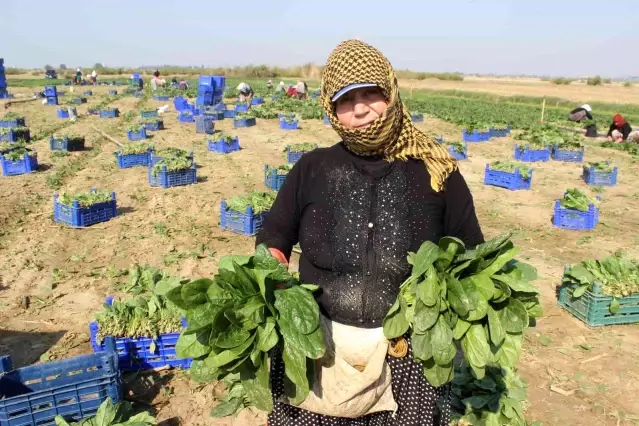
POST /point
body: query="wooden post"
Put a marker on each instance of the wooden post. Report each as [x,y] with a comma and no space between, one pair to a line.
[107,136]
[411,92]
[543,110]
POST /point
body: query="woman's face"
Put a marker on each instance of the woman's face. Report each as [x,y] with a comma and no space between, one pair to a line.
[358,108]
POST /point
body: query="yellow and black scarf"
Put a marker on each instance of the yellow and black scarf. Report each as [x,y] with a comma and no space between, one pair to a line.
[393,136]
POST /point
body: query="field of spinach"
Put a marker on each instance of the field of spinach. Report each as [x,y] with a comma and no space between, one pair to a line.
[165,256]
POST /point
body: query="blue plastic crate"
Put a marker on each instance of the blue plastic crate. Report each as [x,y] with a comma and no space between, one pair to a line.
[136,136]
[257,100]
[17,122]
[62,113]
[64,144]
[167,179]
[52,100]
[204,124]
[289,125]
[241,107]
[294,157]
[136,82]
[88,93]
[224,147]
[133,160]
[109,113]
[475,136]
[113,92]
[567,156]
[499,133]
[161,98]
[229,113]
[156,158]
[574,219]
[81,217]
[417,117]
[214,115]
[154,126]
[532,155]
[186,117]
[50,91]
[79,100]
[27,164]
[216,83]
[219,106]
[73,388]
[592,177]
[244,122]
[246,223]
[180,103]
[13,135]
[459,155]
[512,181]
[272,179]
[149,114]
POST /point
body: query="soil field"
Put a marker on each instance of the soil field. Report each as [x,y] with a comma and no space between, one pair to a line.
[575,375]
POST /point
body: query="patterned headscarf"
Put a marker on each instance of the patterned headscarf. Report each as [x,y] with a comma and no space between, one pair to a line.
[392,136]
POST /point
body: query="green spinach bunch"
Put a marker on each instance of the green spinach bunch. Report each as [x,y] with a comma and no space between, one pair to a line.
[109,414]
[511,166]
[495,400]
[574,199]
[252,305]
[481,298]
[600,166]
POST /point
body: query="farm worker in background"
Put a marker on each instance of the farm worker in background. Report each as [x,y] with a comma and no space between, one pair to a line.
[78,76]
[300,87]
[328,198]
[246,92]
[619,129]
[94,77]
[291,92]
[269,84]
[183,85]
[156,81]
[280,88]
[580,114]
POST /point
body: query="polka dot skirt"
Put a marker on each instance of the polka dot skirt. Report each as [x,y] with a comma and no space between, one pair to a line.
[420,404]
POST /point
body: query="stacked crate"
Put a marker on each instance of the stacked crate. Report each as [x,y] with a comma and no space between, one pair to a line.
[210,90]
[136,82]
[3,81]
[51,93]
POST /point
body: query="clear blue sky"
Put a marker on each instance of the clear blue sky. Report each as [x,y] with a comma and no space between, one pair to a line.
[549,37]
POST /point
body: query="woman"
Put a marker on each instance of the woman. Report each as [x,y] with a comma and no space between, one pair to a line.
[78,76]
[246,92]
[619,129]
[280,88]
[357,208]
[580,114]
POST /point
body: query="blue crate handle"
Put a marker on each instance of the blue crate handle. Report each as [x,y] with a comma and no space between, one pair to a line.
[5,364]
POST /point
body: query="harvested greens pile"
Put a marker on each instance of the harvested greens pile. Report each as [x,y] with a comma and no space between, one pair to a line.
[259,201]
[574,199]
[17,153]
[301,147]
[545,135]
[600,166]
[265,111]
[172,152]
[147,314]
[458,147]
[108,414]
[281,170]
[245,115]
[510,166]
[172,164]
[615,276]
[135,148]
[481,298]
[85,199]
[221,137]
[135,128]
[249,307]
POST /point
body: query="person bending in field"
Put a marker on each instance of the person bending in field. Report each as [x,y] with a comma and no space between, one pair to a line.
[580,114]
[246,92]
[356,209]
[280,88]
[619,129]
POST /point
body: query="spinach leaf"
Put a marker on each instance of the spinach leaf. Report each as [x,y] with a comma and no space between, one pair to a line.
[423,259]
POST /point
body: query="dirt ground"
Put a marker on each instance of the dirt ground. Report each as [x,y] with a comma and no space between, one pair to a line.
[576,375]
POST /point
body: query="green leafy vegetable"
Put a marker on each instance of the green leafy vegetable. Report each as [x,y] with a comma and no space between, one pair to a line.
[574,199]
[108,414]
[511,166]
[85,199]
[260,202]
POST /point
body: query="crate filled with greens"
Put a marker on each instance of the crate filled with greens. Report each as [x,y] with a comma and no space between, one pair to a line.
[602,292]
[146,326]
[136,132]
[11,119]
[57,392]
[532,152]
[79,101]
[499,132]
[601,173]
[510,175]
[417,117]
[571,151]
[62,113]
[204,124]
[258,100]
[474,135]
[149,113]
[274,177]
[173,171]
[152,124]
[245,214]
[68,142]
[109,113]
[294,152]
[133,155]
[253,306]
[14,134]
[459,150]
[169,153]
[241,107]
[223,143]
[245,119]
[289,123]
[213,114]
[229,113]
[18,161]
[576,211]
[84,209]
